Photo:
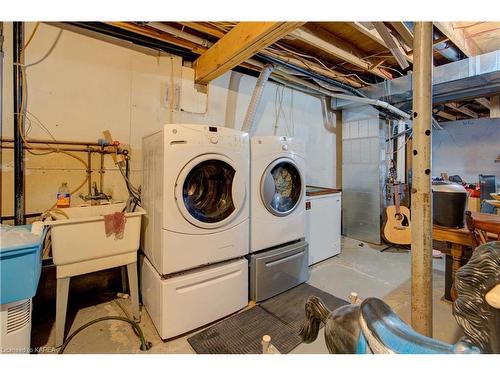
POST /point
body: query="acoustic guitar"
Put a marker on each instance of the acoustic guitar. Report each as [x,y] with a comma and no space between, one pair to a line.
[397,225]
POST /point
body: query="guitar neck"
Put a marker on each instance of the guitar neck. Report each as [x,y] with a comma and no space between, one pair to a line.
[396,197]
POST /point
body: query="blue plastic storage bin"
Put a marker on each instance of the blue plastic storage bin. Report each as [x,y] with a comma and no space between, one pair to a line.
[20,268]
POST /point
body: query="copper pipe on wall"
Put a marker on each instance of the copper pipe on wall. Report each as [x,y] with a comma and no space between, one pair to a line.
[48,148]
[51,142]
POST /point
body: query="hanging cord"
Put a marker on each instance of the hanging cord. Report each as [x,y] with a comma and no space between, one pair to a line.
[145,345]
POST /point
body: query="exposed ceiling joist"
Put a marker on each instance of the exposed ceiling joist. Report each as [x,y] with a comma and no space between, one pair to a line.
[459,38]
[203,28]
[239,44]
[446,115]
[484,102]
[405,33]
[393,45]
[466,111]
[334,50]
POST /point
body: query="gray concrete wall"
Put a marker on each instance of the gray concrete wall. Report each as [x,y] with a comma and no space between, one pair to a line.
[467,148]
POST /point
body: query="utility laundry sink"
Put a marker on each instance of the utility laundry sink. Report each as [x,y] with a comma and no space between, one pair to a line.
[80,245]
[79,242]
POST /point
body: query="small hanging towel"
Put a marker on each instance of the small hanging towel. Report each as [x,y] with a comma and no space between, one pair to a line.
[115,224]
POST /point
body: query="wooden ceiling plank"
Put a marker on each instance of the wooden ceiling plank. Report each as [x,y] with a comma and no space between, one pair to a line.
[392,44]
[372,34]
[157,34]
[334,50]
[405,33]
[239,44]
[446,116]
[460,38]
[484,102]
[329,48]
[462,109]
[203,28]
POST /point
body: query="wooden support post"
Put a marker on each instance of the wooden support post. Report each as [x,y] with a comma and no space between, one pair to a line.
[421,199]
[495,106]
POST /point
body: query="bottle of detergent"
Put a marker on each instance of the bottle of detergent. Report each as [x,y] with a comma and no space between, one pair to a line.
[63,196]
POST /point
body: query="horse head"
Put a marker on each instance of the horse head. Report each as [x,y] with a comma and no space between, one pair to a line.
[477,307]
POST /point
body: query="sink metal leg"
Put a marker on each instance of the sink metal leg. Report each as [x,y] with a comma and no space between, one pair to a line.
[124,279]
[134,290]
[61,307]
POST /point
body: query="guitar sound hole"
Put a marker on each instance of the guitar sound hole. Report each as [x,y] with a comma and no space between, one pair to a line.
[405,221]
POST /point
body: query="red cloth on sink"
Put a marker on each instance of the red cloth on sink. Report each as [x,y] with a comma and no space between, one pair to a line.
[115,224]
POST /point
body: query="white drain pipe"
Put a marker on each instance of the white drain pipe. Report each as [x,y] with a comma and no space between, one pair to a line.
[248,124]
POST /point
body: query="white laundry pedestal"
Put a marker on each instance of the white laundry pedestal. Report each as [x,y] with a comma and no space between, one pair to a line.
[323,208]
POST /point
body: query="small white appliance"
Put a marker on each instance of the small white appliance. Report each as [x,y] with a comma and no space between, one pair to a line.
[196,232]
[323,213]
[15,327]
[277,191]
[195,191]
[188,301]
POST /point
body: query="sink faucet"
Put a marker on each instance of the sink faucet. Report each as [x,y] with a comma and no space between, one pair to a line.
[96,196]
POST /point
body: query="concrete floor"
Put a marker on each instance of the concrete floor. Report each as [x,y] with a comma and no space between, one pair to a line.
[360,267]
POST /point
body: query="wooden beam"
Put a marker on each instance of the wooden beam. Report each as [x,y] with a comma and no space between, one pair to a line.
[460,38]
[334,50]
[462,109]
[393,45]
[157,34]
[239,44]
[484,102]
[495,106]
[405,33]
[446,115]
[372,34]
[204,28]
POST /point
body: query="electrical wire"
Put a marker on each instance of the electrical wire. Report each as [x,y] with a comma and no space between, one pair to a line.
[145,345]
[22,113]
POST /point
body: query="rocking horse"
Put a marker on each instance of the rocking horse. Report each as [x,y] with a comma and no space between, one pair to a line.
[373,327]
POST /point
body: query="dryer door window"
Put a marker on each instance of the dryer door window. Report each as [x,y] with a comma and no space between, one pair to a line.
[207,191]
[281,187]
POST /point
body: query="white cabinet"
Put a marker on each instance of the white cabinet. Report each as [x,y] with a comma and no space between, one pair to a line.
[323,226]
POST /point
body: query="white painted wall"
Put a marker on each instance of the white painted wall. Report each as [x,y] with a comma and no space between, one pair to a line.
[86,86]
[455,154]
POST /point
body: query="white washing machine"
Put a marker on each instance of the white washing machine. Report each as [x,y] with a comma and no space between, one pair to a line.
[196,231]
[195,192]
[278,191]
[279,252]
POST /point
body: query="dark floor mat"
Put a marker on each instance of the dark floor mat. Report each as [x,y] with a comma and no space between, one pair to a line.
[289,306]
[242,334]
[280,317]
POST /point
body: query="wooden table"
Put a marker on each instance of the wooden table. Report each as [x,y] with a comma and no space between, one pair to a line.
[458,240]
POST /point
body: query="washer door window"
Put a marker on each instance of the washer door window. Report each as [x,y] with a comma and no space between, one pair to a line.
[281,187]
[209,191]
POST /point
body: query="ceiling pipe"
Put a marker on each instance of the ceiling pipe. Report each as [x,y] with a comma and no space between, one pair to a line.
[326,91]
